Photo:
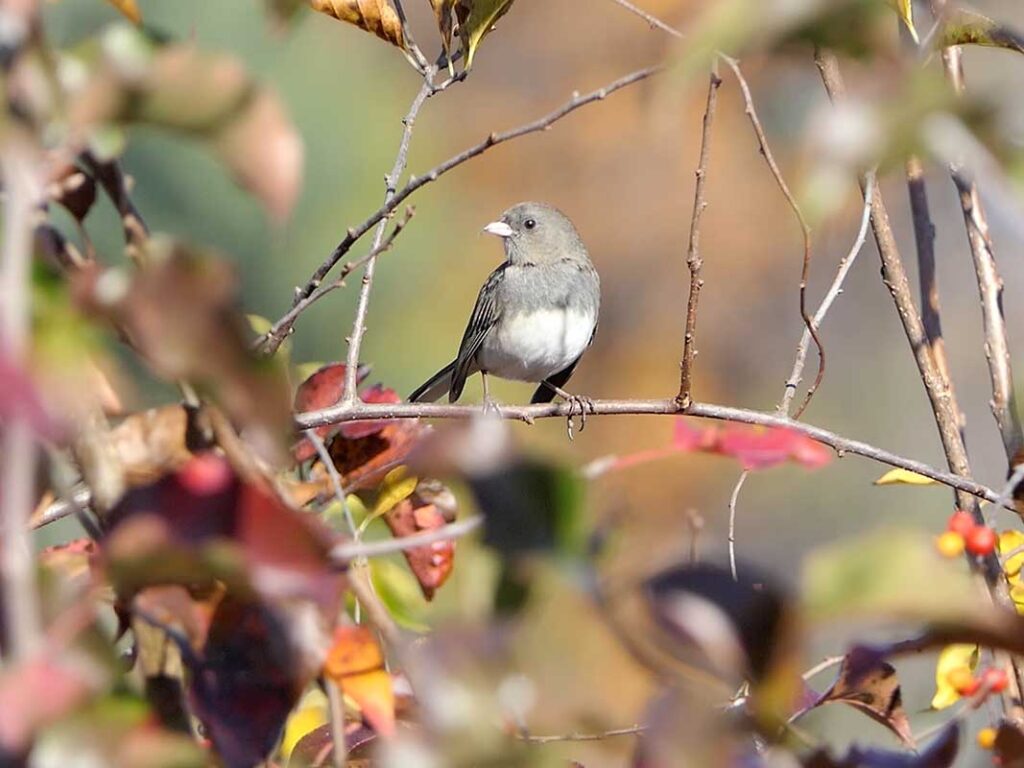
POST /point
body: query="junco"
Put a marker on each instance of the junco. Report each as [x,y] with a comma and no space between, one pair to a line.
[536,313]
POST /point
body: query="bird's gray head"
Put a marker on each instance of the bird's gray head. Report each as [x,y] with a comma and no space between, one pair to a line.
[535,233]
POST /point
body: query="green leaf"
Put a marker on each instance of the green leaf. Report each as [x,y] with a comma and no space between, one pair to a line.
[970,28]
[476,19]
[888,574]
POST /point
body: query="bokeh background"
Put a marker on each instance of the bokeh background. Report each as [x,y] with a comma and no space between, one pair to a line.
[623,170]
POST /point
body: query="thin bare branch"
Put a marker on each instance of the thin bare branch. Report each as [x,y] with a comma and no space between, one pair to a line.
[355,338]
[23,191]
[694,262]
[805,229]
[527,413]
[337,709]
[272,339]
[416,182]
[650,18]
[826,303]
[990,288]
[733,498]
[632,730]
[348,551]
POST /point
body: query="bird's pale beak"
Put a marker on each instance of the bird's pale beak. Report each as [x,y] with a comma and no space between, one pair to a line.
[499,228]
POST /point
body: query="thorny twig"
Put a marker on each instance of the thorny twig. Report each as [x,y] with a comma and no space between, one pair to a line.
[651,19]
[694,262]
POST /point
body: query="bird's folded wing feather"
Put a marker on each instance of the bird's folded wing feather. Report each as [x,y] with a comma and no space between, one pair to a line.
[485,315]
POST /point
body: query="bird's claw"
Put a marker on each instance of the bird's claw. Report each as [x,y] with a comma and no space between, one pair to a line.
[578,406]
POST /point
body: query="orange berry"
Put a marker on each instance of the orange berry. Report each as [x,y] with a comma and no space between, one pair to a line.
[963,681]
[995,680]
[987,738]
[950,544]
[981,540]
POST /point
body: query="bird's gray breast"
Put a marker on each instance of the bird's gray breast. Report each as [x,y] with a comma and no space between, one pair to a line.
[547,320]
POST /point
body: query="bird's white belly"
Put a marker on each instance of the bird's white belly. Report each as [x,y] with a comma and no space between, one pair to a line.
[533,346]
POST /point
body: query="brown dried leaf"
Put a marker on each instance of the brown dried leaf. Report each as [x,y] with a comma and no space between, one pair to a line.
[443,12]
[152,443]
[869,684]
[376,16]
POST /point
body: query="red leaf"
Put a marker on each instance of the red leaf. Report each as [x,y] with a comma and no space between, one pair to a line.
[354,430]
[19,399]
[431,564]
[324,388]
[755,447]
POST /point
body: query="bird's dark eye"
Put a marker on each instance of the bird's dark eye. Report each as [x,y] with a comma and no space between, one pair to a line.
[529,223]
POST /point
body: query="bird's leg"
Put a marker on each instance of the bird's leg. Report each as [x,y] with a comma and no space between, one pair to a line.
[489,405]
[581,402]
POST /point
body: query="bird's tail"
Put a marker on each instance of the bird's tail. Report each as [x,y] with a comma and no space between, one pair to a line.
[435,387]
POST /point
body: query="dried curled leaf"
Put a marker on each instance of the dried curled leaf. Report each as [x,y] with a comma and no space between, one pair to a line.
[476,19]
[443,10]
[376,16]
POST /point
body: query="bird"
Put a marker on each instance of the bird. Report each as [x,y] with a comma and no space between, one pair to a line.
[535,316]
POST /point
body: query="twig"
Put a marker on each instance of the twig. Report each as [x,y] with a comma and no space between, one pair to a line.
[369,411]
[990,288]
[355,339]
[826,303]
[492,140]
[694,262]
[332,472]
[732,521]
[348,551]
[924,239]
[826,663]
[362,587]
[805,230]
[337,709]
[695,523]
[632,730]
[651,19]
[272,339]
[23,190]
[415,55]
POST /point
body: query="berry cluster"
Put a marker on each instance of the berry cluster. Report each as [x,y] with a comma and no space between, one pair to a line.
[966,683]
[962,532]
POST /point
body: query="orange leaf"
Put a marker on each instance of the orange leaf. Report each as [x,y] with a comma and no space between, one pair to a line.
[355,662]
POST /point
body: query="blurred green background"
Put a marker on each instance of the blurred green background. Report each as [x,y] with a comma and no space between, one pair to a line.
[623,170]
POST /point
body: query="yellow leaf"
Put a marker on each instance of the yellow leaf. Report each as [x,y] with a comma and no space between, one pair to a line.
[476,18]
[905,9]
[951,658]
[312,712]
[1008,542]
[376,16]
[398,484]
[129,8]
[1017,595]
[903,477]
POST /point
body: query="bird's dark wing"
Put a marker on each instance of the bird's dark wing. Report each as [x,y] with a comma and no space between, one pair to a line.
[485,315]
[545,392]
